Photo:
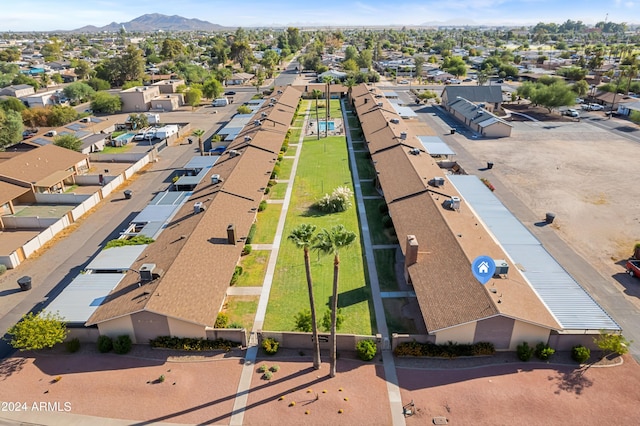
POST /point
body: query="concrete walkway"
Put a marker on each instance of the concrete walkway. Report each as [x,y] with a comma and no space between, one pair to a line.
[390,374]
[262,246]
[242,394]
[244,291]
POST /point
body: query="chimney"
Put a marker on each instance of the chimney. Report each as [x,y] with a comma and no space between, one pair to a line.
[366,100]
[411,255]
[231,234]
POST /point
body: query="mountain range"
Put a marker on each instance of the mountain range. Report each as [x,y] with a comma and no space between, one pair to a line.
[154,22]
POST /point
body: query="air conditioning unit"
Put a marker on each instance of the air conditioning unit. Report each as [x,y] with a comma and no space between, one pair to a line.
[437,181]
[403,135]
[455,203]
[233,153]
[395,121]
[273,99]
[247,138]
[414,151]
[85,120]
[198,207]
[146,272]
[264,115]
[380,104]
[502,267]
[215,179]
[271,104]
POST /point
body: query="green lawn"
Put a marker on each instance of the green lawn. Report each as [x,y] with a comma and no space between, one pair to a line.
[285,168]
[116,149]
[295,136]
[334,112]
[385,266]
[242,309]
[323,166]
[379,234]
[254,266]
[395,320]
[291,150]
[278,191]
[365,165]
[266,224]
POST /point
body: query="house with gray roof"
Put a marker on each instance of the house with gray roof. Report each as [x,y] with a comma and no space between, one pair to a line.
[479,119]
[490,96]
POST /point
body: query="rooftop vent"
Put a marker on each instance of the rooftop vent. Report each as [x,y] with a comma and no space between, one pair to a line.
[247,138]
[264,115]
[233,153]
[215,179]
[146,272]
[273,99]
[414,151]
[199,206]
[403,135]
[257,122]
[380,104]
[437,181]
[395,121]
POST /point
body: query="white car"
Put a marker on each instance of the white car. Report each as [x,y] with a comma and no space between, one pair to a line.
[572,113]
[403,82]
[595,107]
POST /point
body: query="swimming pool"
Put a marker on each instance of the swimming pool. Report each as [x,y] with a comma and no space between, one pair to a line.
[323,126]
[123,139]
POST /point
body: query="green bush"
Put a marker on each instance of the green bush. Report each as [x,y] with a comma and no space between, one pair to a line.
[3,269]
[447,350]
[270,345]
[222,320]
[262,206]
[263,368]
[192,344]
[524,351]
[122,344]
[384,208]
[544,351]
[303,321]
[271,183]
[135,241]
[580,354]
[366,349]
[267,190]
[338,201]
[73,345]
[236,275]
[235,324]
[274,368]
[267,375]
[105,344]
[276,172]
[246,249]
[252,233]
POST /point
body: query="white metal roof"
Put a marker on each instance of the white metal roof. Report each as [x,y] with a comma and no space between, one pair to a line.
[201,161]
[116,258]
[571,305]
[435,146]
[79,300]
[403,111]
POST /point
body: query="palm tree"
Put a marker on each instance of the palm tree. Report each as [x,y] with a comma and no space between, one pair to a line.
[331,242]
[327,81]
[302,236]
[350,83]
[316,94]
[199,133]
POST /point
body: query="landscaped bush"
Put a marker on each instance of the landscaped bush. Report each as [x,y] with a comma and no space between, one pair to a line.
[235,324]
[270,345]
[366,349]
[236,275]
[338,201]
[122,344]
[447,350]
[303,321]
[105,344]
[73,345]
[246,249]
[192,344]
[276,172]
[222,320]
[524,351]
[580,354]
[3,269]
[267,190]
[135,241]
[262,206]
[387,222]
[271,183]
[384,208]
[252,233]
[544,351]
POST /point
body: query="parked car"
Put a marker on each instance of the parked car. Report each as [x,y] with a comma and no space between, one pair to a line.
[596,107]
[403,82]
[572,113]
[633,268]
[579,100]
[230,93]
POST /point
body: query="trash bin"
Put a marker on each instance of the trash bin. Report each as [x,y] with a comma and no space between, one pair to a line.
[190,141]
[453,131]
[489,165]
[127,194]
[24,283]
[549,217]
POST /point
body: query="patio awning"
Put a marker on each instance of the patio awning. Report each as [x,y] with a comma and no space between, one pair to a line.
[54,178]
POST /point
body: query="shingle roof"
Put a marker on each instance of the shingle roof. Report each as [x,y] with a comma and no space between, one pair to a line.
[40,163]
[474,93]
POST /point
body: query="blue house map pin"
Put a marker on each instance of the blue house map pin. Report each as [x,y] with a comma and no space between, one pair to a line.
[483,268]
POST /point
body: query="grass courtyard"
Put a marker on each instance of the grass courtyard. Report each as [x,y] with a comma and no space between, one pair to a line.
[323,166]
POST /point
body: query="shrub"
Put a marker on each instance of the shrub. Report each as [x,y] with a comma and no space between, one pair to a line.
[612,343]
[274,368]
[222,320]
[105,344]
[338,201]
[262,206]
[236,275]
[267,375]
[235,324]
[276,172]
[161,378]
[3,269]
[135,241]
[252,232]
[270,345]
[524,351]
[544,351]
[122,344]
[246,249]
[280,157]
[271,183]
[384,208]
[192,344]
[366,349]
[447,350]
[73,345]
[580,354]
[325,322]
[267,190]
[303,321]
[263,368]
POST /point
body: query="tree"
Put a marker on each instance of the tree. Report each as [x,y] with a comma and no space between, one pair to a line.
[259,80]
[303,321]
[171,48]
[419,61]
[303,237]
[82,69]
[59,115]
[193,97]
[12,104]
[549,96]
[211,88]
[612,343]
[243,109]
[106,103]
[138,121]
[581,87]
[350,83]
[40,331]
[78,91]
[24,79]
[316,94]
[57,78]
[68,141]
[332,242]
[199,133]
[99,84]
[11,127]
[269,60]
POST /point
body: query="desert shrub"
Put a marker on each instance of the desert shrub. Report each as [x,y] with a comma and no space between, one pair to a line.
[252,232]
[135,241]
[366,349]
[338,201]
[3,269]
[236,275]
[274,368]
[544,351]
[524,351]
[73,345]
[303,321]
[246,249]
[267,375]
[580,354]
[262,206]
[192,343]
[270,345]
[221,320]
[612,343]
[484,348]
[105,344]
[263,368]
[235,324]
[447,350]
[122,344]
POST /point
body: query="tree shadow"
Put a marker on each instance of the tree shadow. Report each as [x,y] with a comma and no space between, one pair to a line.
[572,381]
[352,297]
[9,366]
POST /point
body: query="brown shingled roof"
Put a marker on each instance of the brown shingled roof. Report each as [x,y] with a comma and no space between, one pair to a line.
[39,163]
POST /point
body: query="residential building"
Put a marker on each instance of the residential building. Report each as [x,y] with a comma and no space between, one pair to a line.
[138,99]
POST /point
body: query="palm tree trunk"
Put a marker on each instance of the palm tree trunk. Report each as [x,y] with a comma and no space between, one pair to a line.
[326,122]
[317,119]
[312,304]
[200,145]
[334,316]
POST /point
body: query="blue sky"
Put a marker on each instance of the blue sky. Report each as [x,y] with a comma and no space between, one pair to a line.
[47,15]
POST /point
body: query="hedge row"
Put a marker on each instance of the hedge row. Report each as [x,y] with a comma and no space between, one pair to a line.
[192,344]
[447,350]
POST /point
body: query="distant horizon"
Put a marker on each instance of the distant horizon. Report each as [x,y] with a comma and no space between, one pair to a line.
[67,15]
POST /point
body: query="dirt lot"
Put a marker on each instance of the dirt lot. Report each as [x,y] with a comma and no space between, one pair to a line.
[587,176]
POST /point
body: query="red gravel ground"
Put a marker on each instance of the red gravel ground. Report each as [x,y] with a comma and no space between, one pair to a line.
[519,394]
[358,389]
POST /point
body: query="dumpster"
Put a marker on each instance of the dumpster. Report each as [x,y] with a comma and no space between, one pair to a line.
[127,194]
[549,217]
[24,283]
